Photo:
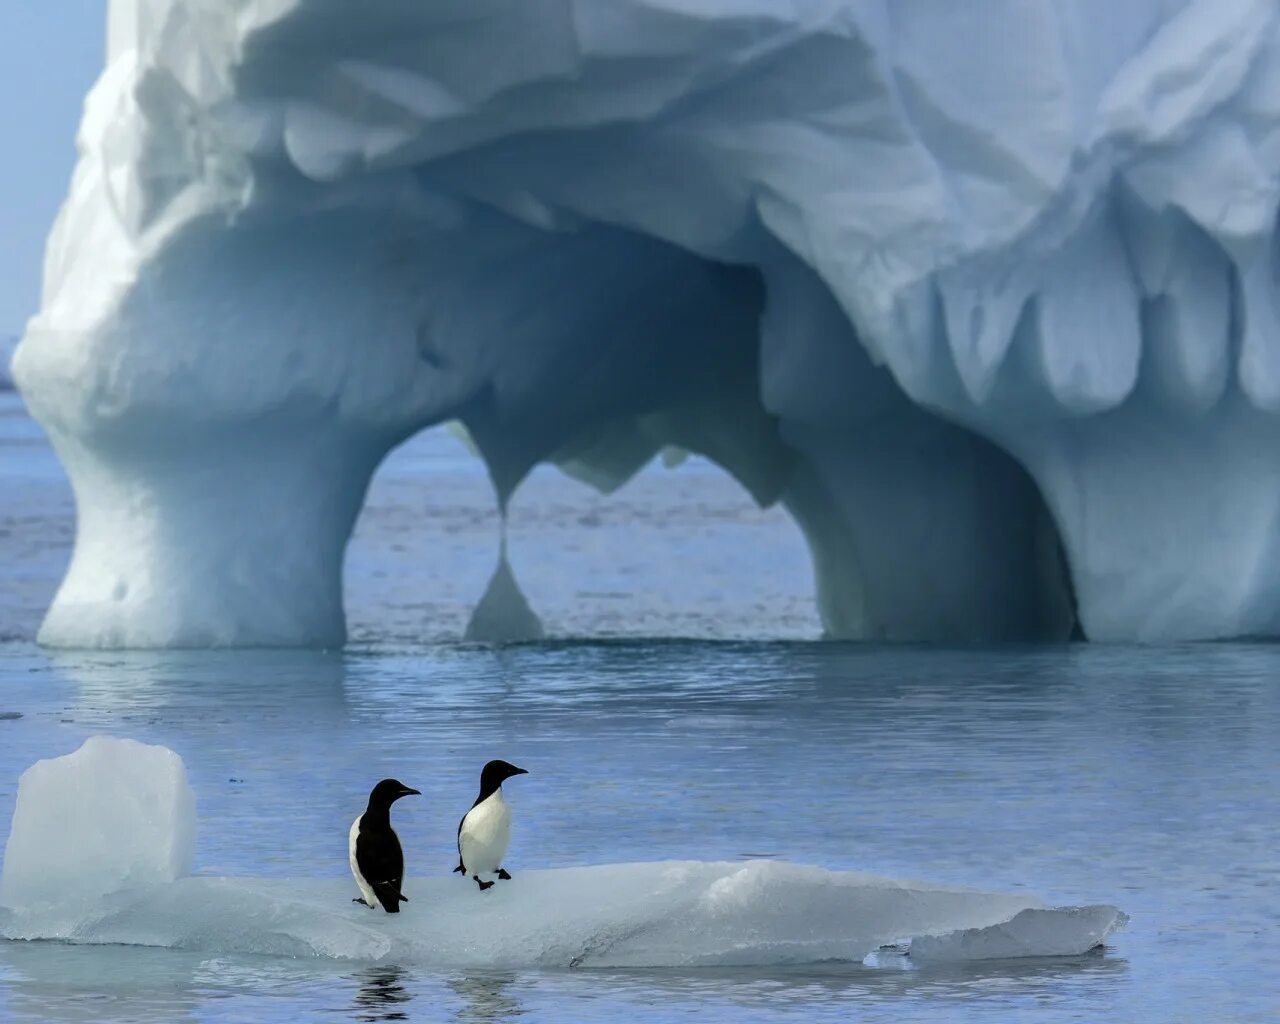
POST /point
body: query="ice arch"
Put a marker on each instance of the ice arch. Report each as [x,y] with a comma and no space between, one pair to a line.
[875,259]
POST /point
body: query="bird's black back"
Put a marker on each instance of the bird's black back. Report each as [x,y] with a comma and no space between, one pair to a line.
[381,861]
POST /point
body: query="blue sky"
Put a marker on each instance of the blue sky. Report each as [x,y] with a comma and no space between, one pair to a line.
[52,52]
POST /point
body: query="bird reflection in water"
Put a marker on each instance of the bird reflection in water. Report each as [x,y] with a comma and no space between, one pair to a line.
[381,996]
[485,999]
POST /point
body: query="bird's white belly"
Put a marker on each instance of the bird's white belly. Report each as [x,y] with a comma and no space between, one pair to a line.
[485,835]
[365,890]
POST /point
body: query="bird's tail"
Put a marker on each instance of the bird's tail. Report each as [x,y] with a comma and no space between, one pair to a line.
[390,896]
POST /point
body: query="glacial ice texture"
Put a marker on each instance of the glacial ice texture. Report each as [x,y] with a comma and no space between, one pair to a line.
[115,814]
[983,293]
[119,815]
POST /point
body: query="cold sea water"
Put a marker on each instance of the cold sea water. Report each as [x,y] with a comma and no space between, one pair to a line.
[682,707]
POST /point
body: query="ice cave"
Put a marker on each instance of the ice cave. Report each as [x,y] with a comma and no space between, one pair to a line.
[984,294]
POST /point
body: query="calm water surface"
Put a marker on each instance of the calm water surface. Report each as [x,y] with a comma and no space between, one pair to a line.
[1148,778]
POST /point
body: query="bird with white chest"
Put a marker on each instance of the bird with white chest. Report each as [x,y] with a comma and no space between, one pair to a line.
[373,849]
[484,833]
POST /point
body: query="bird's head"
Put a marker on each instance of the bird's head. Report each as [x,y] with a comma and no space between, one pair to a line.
[388,791]
[495,773]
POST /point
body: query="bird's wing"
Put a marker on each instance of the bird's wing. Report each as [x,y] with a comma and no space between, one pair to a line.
[461,868]
[389,892]
[463,820]
[381,861]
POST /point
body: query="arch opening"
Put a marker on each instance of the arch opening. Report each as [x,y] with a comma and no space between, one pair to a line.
[917,528]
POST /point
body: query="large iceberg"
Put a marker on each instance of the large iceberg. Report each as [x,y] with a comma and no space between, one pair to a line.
[116,820]
[983,293]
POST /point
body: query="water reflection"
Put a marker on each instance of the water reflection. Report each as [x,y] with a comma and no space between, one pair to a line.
[143,686]
[485,998]
[381,995]
[44,982]
[1131,776]
[886,982]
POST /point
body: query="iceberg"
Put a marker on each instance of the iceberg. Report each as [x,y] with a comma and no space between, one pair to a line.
[133,888]
[985,296]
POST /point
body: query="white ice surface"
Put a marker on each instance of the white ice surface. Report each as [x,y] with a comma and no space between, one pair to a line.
[100,837]
[1064,931]
[115,814]
[1016,263]
[666,914]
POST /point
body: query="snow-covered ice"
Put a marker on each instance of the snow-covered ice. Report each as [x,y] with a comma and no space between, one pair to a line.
[984,293]
[100,838]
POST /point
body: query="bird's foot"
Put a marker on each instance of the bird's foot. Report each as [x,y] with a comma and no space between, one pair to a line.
[502,873]
[360,901]
[460,870]
[483,885]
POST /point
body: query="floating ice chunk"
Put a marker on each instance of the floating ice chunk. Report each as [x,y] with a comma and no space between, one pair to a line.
[665,914]
[115,814]
[1063,931]
[102,836]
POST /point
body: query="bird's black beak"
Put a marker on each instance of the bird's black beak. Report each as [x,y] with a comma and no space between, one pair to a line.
[520,771]
[410,792]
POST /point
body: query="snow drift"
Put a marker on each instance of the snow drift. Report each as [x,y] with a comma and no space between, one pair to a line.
[677,913]
[985,294]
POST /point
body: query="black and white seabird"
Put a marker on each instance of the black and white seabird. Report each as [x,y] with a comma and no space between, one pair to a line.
[484,833]
[374,849]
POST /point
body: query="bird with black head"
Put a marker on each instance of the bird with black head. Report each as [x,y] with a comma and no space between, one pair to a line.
[377,861]
[484,833]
